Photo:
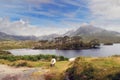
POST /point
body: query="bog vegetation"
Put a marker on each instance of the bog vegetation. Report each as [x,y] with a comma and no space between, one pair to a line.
[8,56]
[28,60]
[94,69]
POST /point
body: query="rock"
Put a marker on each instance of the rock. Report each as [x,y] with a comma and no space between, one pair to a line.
[72,59]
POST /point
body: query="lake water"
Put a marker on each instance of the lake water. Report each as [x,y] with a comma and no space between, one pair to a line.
[103,51]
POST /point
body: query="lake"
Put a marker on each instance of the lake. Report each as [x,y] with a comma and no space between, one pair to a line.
[103,51]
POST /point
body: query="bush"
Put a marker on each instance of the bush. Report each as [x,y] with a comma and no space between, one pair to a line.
[81,70]
[32,57]
[5,53]
[114,76]
[94,69]
[21,64]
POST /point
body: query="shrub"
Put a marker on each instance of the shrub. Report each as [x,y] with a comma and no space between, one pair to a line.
[4,52]
[94,69]
[31,57]
[114,76]
[81,70]
[21,64]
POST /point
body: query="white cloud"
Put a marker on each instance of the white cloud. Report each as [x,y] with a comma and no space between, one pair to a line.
[24,28]
[106,9]
[106,13]
[38,1]
[79,3]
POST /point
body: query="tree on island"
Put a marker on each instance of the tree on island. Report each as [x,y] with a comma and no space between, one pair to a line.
[94,43]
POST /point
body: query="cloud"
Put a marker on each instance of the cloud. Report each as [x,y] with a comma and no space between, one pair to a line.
[49,9]
[26,6]
[24,28]
[105,13]
[106,9]
[79,3]
[38,1]
[54,16]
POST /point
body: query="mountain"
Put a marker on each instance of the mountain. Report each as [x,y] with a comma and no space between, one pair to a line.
[48,37]
[4,36]
[87,32]
[91,32]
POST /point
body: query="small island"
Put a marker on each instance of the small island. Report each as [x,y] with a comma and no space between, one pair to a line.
[68,43]
[108,43]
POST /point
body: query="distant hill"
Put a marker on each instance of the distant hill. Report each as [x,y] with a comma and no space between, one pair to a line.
[49,37]
[87,32]
[91,32]
[4,36]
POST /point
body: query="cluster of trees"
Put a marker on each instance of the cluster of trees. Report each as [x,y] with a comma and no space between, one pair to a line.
[68,43]
[75,42]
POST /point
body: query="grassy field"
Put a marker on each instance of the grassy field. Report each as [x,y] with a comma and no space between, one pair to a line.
[82,68]
[95,69]
[54,73]
[16,44]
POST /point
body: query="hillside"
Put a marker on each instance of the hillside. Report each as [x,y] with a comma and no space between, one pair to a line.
[48,37]
[4,36]
[91,32]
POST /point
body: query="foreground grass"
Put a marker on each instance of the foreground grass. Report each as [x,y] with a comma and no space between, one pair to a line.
[54,73]
[95,69]
[82,68]
[59,67]
[24,63]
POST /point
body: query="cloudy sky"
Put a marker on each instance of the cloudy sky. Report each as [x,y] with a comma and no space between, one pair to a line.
[42,17]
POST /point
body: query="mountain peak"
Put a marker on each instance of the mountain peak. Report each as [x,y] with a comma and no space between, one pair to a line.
[88,29]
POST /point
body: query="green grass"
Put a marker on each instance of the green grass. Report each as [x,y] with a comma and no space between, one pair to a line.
[91,68]
[95,68]
[5,45]
[39,57]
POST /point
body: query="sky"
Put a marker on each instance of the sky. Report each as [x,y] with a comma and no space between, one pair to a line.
[43,17]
